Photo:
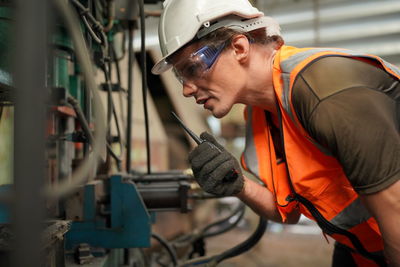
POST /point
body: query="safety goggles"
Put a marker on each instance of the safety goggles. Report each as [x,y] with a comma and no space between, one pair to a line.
[197,64]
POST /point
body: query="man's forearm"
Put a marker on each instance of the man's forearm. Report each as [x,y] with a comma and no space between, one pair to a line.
[385,207]
[261,200]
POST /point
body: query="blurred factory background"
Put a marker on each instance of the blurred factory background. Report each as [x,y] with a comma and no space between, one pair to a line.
[141,178]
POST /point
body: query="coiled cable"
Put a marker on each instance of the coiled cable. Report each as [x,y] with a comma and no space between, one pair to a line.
[81,174]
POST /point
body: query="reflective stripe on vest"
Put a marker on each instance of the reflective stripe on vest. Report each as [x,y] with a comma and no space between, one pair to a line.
[352,215]
[250,153]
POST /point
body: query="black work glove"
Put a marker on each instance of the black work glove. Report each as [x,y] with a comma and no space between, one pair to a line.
[215,169]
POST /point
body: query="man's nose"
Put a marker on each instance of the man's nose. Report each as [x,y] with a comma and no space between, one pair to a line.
[189,89]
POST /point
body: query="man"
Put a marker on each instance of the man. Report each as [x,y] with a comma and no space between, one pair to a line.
[322,124]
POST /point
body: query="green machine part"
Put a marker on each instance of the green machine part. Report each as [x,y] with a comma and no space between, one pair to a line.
[6,119]
[5,45]
[65,72]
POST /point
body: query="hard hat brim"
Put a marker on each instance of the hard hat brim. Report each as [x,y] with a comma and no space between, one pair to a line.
[161,66]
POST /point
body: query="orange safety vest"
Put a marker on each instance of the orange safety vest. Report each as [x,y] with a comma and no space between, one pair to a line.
[310,178]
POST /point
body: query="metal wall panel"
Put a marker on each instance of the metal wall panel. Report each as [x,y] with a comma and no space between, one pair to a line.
[369,26]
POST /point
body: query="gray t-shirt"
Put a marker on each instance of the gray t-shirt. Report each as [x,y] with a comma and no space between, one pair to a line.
[352,108]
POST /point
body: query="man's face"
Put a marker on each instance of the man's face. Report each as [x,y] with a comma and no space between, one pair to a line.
[210,75]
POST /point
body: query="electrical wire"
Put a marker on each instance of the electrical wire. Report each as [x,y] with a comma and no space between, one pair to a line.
[168,247]
[81,117]
[121,93]
[110,104]
[82,14]
[90,30]
[81,174]
[144,81]
[111,113]
[129,97]
[85,14]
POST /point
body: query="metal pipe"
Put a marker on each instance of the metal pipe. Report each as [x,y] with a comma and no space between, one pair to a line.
[29,133]
[159,177]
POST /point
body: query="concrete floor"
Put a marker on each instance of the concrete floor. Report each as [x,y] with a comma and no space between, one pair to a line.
[285,248]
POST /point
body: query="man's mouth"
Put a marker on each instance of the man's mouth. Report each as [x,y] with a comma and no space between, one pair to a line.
[201,101]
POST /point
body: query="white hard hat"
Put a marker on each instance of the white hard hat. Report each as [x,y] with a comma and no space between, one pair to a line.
[181,21]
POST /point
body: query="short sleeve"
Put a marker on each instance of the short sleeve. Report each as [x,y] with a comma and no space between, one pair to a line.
[357,123]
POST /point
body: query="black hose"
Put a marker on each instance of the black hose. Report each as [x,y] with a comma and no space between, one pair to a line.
[238,212]
[168,247]
[1,112]
[247,244]
[235,251]
[205,232]
[110,104]
[144,80]
[120,141]
[81,118]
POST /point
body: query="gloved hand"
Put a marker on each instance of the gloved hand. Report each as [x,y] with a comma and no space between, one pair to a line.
[215,169]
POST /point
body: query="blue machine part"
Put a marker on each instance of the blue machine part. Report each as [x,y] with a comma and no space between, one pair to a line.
[4,208]
[130,224]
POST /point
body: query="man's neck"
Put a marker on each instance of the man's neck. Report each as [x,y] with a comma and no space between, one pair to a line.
[260,91]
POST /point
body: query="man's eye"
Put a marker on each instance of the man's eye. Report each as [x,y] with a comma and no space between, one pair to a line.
[192,70]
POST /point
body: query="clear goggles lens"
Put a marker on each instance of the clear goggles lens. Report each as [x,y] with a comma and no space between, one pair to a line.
[197,64]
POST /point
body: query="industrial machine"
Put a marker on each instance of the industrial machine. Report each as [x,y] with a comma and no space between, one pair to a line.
[85,188]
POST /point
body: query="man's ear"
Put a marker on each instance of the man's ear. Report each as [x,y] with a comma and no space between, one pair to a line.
[241,47]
